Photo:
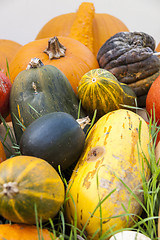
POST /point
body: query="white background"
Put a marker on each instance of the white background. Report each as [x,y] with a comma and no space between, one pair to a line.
[21,20]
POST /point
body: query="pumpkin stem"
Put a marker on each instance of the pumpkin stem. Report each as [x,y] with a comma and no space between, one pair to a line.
[157,54]
[10,189]
[82,28]
[35,63]
[55,49]
[83,121]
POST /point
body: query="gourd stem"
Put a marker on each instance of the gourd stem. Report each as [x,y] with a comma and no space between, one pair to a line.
[55,49]
[157,54]
[83,121]
[35,63]
[10,189]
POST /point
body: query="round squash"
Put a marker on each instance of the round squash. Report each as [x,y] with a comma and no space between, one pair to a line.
[39,90]
[100,90]
[67,54]
[29,182]
[8,50]
[90,28]
[23,232]
[55,137]
[112,163]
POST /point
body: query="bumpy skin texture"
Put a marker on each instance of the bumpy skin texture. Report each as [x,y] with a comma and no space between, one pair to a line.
[130,57]
[109,161]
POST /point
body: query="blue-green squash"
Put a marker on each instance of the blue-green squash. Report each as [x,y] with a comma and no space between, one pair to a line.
[111,163]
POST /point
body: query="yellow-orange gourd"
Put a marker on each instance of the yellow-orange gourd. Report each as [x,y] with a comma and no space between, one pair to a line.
[88,27]
[112,163]
[23,232]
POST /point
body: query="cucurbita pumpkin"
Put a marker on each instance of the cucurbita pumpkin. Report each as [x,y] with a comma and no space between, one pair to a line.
[23,232]
[8,50]
[67,54]
[90,28]
[28,182]
[113,156]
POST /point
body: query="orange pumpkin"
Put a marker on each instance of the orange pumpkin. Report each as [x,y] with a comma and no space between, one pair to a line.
[67,54]
[158,47]
[23,232]
[2,153]
[90,28]
[8,49]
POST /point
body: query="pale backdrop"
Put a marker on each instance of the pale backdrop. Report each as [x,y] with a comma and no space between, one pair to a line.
[21,20]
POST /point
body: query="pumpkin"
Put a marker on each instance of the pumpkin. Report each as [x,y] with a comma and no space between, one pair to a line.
[90,28]
[55,137]
[28,182]
[100,90]
[111,163]
[5,88]
[131,58]
[8,49]
[2,153]
[23,232]
[153,101]
[67,54]
[39,90]
[158,47]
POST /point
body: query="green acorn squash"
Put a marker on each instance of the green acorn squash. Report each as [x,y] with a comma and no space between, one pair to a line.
[26,182]
[55,137]
[39,90]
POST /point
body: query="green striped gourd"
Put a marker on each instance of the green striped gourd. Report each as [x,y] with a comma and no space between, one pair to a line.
[29,182]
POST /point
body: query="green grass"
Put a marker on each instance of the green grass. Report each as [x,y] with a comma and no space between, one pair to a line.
[146,223]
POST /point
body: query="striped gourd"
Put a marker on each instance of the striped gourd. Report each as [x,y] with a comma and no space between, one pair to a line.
[99,89]
[26,182]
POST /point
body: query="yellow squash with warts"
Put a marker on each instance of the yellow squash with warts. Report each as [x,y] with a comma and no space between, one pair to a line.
[110,172]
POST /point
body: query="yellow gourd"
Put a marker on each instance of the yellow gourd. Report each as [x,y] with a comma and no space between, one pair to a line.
[112,163]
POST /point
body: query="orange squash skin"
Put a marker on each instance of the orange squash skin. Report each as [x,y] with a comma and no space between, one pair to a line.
[102,26]
[8,49]
[23,232]
[77,60]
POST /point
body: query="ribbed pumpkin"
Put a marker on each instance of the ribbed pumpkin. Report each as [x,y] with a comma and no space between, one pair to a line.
[39,90]
[67,54]
[113,156]
[90,28]
[2,153]
[100,90]
[26,182]
[23,232]
[158,47]
[8,49]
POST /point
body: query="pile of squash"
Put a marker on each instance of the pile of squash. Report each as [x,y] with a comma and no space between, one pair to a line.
[71,111]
